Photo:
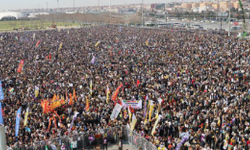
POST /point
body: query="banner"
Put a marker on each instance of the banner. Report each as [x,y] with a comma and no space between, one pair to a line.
[151,109]
[137,83]
[107,97]
[18,117]
[129,114]
[60,46]
[37,44]
[1,115]
[34,36]
[156,122]
[114,96]
[93,60]
[183,140]
[97,43]
[74,117]
[90,86]
[36,91]
[132,103]
[145,106]
[134,120]
[20,67]
[1,92]
[87,104]
[26,117]
[116,111]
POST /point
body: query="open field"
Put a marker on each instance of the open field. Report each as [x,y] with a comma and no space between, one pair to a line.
[31,24]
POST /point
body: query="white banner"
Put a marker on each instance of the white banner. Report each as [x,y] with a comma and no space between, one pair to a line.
[132,103]
[116,111]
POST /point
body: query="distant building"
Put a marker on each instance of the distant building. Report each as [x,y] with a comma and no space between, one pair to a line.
[12,15]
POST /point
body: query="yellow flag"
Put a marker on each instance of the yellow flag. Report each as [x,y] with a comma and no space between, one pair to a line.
[156,122]
[157,113]
[146,42]
[107,99]
[97,43]
[90,86]
[129,115]
[36,91]
[145,121]
[60,47]
[134,120]
[151,108]
[26,117]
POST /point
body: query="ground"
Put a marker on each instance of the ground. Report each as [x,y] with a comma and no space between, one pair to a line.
[31,24]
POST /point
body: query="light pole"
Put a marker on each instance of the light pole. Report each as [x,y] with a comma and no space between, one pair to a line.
[74,4]
[229,18]
[109,11]
[142,13]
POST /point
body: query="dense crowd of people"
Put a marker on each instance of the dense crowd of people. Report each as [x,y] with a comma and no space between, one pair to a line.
[201,79]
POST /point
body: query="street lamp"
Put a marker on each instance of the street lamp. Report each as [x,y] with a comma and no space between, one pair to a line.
[229,18]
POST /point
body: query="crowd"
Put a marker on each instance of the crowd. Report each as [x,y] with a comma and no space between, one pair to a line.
[201,79]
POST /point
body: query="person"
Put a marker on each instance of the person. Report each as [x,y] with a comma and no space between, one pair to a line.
[105,143]
[120,145]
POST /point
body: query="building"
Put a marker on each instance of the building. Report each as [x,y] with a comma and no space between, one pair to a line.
[12,15]
[195,5]
[186,6]
[224,6]
[216,6]
[235,5]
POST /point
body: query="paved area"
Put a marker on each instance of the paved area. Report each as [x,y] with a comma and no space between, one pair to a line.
[115,147]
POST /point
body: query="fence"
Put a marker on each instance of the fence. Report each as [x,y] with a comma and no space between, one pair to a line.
[76,141]
[138,142]
[91,140]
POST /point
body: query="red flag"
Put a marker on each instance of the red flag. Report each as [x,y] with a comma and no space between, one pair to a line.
[87,104]
[20,68]
[114,96]
[37,44]
[137,83]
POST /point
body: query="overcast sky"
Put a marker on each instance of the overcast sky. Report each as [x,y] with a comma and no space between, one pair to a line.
[6,5]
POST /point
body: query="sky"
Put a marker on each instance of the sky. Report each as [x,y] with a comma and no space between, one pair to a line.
[6,5]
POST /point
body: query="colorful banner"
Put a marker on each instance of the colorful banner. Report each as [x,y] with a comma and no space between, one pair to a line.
[20,67]
[116,111]
[1,91]
[26,117]
[49,106]
[37,44]
[183,140]
[36,91]
[137,83]
[134,120]
[156,122]
[18,116]
[1,115]
[114,96]
[132,103]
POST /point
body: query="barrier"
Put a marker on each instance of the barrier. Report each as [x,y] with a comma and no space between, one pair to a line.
[138,142]
[91,140]
[87,140]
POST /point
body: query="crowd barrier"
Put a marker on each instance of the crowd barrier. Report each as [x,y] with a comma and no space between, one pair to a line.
[87,140]
[138,142]
[91,140]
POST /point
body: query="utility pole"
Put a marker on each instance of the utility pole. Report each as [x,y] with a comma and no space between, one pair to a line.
[47,8]
[142,13]
[229,18]
[110,11]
